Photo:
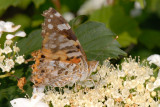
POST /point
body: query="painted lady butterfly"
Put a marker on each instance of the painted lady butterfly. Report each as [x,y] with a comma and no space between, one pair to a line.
[61,59]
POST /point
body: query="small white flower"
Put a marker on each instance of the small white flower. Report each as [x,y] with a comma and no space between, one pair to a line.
[5,68]
[154,59]
[9,27]
[9,62]
[1,51]
[16,49]
[7,50]
[89,83]
[134,83]
[20,34]
[125,93]
[153,93]
[129,101]
[156,83]
[150,87]
[2,26]
[19,59]
[152,79]
[39,89]
[9,36]
[140,88]
[8,42]
[2,58]
[110,102]
[35,101]
[121,74]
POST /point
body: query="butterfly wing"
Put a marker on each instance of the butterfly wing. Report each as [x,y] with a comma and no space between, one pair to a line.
[61,59]
[59,39]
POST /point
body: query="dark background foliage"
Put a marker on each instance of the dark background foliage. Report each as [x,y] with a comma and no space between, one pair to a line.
[139,35]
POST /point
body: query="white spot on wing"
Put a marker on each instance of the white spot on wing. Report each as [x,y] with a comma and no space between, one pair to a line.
[53,46]
[52,63]
[52,35]
[57,14]
[55,73]
[61,64]
[49,20]
[63,45]
[63,26]
[68,25]
[46,46]
[51,16]
[43,31]
[50,26]
[61,38]
[74,54]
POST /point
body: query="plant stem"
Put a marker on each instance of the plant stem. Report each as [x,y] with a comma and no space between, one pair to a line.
[5,75]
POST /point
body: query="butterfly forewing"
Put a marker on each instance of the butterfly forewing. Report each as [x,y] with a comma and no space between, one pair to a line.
[61,59]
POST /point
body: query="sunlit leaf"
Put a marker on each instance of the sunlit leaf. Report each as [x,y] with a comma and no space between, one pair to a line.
[31,43]
[38,2]
[98,41]
[125,39]
[150,38]
[21,19]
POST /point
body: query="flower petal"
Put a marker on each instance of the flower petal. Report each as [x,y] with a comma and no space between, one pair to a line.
[36,97]
[154,59]
[20,34]
[41,104]
[10,36]
[9,27]
[20,102]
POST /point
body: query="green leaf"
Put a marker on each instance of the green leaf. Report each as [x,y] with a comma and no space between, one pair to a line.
[102,15]
[120,22]
[98,41]
[36,23]
[4,4]
[125,39]
[154,6]
[74,23]
[21,19]
[24,4]
[117,20]
[31,43]
[37,3]
[150,38]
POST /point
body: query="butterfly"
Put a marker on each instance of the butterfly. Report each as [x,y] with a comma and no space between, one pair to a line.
[61,60]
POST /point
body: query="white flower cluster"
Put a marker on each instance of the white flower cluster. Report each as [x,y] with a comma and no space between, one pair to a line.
[131,86]
[10,27]
[9,56]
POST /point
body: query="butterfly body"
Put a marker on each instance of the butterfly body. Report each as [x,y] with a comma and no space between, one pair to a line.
[61,60]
